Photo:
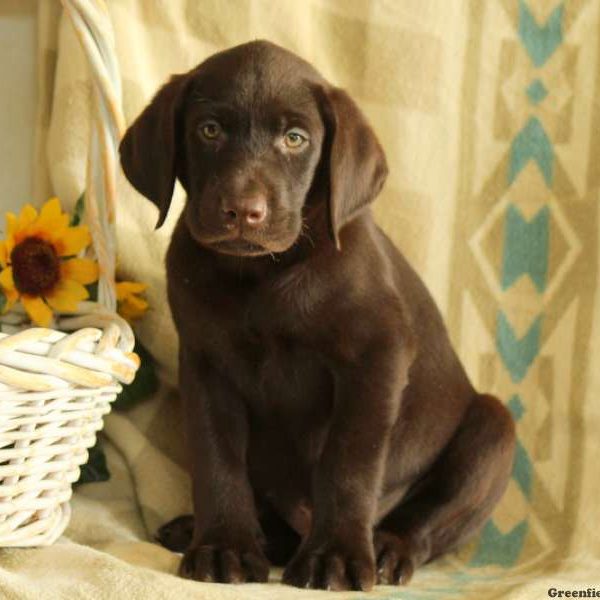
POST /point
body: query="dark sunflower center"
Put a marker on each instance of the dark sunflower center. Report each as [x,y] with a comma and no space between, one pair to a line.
[36,267]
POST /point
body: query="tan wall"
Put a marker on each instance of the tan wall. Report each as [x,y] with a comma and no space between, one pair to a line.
[17,102]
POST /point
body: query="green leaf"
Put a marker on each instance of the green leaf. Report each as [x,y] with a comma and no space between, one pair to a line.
[3,301]
[78,211]
[95,469]
[92,289]
[144,385]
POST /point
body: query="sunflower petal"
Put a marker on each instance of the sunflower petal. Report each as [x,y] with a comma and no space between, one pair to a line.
[126,288]
[11,223]
[132,307]
[11,295]
[28,215]
[7,286]
[136,303]
[26,218]
[4,254]
[73,240]
[66,295]
[6,280]
[82,270]
[51,229]
[50,210]
[51,220]
[39,312]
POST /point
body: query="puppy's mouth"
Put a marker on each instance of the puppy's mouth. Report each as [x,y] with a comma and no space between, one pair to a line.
[239,247]
[244,243]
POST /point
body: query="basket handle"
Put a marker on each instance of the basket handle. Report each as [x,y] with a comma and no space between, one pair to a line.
[91,21]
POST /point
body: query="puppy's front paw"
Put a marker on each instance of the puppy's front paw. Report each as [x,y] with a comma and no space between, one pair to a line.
[395,558]
[333,568]
[224,564]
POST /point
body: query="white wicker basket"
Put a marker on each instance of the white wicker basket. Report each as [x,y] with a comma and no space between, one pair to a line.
[56,384]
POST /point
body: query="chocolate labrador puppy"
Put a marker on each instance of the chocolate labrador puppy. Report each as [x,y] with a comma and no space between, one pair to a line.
[330,424]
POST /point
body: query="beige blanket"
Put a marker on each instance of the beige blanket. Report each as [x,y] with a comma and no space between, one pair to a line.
[490,115]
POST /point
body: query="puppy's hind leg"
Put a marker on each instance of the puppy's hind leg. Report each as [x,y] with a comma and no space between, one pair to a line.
[176,535]
[454,499]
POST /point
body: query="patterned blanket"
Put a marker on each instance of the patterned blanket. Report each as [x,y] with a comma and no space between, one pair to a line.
[490,116]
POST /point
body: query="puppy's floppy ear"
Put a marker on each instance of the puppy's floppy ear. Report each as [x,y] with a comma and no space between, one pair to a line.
[353,157]
[150,147]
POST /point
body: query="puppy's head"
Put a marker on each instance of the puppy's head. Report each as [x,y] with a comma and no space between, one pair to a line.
[254,134]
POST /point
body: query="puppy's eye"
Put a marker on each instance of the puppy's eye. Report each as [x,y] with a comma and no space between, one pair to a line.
[295,139]
[210,130]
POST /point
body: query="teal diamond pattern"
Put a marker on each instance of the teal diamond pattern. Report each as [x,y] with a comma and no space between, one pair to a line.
[516,407]
[536,91]
[523,470]
[531,143]
[496,548]
[540,41]
[525,252]
[517,353]
[526,246]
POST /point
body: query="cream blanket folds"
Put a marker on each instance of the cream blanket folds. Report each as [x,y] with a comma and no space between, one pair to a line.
[490,116]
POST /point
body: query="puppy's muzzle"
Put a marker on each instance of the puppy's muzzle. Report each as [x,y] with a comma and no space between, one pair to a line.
[249,212]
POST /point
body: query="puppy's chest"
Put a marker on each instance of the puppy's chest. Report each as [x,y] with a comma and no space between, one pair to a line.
[258,337]
[290,405]
[283,376]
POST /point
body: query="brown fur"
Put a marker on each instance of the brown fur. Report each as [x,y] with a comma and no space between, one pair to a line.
[330,424]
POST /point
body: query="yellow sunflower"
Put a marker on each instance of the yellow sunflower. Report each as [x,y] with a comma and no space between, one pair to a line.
[129,305]
[38,263]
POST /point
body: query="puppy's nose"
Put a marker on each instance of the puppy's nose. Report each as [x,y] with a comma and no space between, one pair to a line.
[250,211]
